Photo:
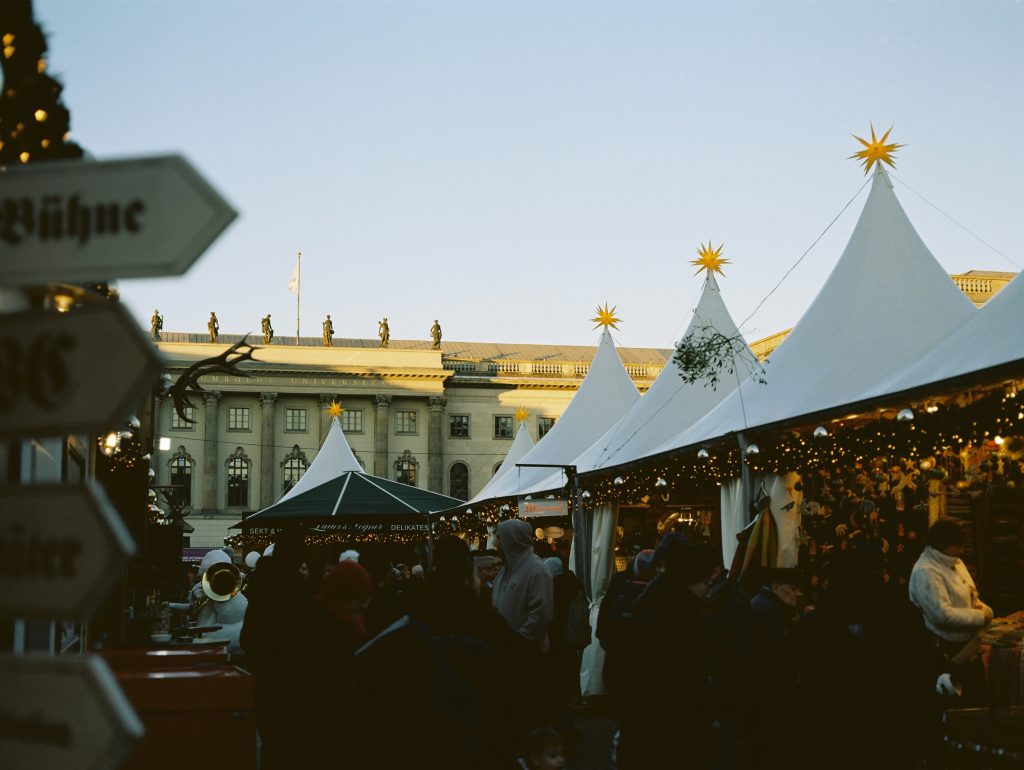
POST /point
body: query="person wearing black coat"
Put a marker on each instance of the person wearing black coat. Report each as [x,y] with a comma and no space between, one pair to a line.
[667,680]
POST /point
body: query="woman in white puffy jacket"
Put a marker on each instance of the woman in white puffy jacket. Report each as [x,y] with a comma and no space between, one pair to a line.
[944,590]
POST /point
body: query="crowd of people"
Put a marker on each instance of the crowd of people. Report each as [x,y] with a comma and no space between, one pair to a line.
[473,658]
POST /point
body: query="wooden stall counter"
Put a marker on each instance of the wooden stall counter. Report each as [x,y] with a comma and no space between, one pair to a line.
[192,704]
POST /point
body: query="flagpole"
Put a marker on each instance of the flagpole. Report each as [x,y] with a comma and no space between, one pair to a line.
[298,293]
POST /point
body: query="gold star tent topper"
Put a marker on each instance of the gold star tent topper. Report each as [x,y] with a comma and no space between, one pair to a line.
[709,258]
[335,409]
[876,151]
[606,317]
[521,414]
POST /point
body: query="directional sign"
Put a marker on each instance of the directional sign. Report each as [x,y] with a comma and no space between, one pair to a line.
[65,712]
[96,220]
[77,372]
[61,547]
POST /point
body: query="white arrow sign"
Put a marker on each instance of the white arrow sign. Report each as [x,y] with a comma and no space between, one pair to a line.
[97,220]
[77,372]
[65,712]
[61,547]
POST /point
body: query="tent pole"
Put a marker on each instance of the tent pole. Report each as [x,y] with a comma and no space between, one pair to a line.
[430,544]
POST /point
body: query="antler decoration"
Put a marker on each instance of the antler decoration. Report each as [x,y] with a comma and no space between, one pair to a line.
[225,363]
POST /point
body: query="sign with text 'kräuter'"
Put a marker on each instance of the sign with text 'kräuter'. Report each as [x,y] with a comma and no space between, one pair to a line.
[79,221]
[65,712]
[61,547]
[83,371]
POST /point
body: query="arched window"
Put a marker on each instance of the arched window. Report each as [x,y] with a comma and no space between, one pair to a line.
[458,481]
[238,478]
[405,468]
[293,465]
[181,477]
[497,467]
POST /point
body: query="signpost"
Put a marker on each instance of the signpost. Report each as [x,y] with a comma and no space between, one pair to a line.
[65,712]
[61,546]
[528,508]
[77,372]
[80,221]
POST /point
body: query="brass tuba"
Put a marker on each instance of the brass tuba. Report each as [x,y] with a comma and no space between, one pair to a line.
[220,582]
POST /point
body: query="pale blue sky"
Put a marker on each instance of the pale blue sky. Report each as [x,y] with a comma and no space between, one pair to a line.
[506,166]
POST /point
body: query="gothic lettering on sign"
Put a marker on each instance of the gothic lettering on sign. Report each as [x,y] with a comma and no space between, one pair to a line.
[51,218]
[35,370]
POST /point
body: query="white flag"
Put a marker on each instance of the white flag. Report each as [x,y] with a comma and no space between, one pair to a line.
[293,284]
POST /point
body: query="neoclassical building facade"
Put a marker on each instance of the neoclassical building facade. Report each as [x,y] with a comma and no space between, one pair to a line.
[439,419]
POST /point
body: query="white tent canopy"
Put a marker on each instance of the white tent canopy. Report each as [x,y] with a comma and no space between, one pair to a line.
[886,300]
[670,405]
[520,446]
[991,337]
[334,458]
[605,394]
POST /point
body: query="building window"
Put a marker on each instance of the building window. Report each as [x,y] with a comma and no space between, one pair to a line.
[295,420]
[238,478]
[458,481]
[181,477]
[177,423]
[352,421]
[405,422]
[458,425]
[293,465]
[497,467]
[405,468]
[238,418]
[503,426]
[544,424]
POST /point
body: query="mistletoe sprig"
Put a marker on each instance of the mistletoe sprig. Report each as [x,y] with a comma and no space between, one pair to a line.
[705,354]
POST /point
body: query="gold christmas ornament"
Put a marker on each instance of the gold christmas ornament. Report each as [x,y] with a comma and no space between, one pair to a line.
[606,317]
[709,258]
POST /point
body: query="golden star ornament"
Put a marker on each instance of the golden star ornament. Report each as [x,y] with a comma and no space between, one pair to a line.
[606,317]
[335,409]
[876,151]
[521,414]
[709,258]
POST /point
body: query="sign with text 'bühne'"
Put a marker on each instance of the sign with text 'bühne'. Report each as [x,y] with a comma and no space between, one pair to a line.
[61,547]
[77,372]
[65,712]
[79,221]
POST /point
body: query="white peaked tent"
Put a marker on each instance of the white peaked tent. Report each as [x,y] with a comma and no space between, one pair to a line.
[886,300]
[520,446]
[670,405]
[605,394]
[991,338]
[334,458]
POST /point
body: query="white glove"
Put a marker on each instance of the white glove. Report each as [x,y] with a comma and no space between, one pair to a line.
[944,685]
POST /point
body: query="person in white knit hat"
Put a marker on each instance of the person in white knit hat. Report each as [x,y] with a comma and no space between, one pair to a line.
[349,555]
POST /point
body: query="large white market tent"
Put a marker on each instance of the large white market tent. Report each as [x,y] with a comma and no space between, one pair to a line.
[886,300]
[520,446]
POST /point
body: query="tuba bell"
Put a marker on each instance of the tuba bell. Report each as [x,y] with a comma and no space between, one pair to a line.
[220,582]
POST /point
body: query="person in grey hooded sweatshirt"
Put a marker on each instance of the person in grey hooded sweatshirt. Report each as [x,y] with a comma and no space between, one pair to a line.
[523,591]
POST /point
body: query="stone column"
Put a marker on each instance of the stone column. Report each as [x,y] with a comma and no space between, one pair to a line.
[381,426]
[435,444]
[210,401]
[267,448]
[325,419]
[157,463]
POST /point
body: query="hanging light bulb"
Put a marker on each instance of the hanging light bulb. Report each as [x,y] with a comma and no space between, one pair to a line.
[585,494]
[133,423]
[618,481]
[110,443]
[905,415]
[820,432]
[703,454]
[660,483]
[751,450]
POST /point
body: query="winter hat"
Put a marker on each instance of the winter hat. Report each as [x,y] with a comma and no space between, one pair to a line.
[347,580]
[670,547]
[349,555]
[417,570]
[553,565]
[643,565]
[213,557]
[251,558]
